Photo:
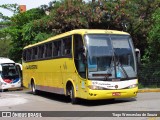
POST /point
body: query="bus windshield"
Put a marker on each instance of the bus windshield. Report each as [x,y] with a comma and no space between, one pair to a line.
[9,72]
[110,56]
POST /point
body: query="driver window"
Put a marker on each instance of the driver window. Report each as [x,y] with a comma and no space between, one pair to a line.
[78,55]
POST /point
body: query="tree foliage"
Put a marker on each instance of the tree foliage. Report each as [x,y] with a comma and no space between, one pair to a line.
[19,29]
[22,32]
[11,7]
[4,44]
[5,37]
[133,16]
[152,54]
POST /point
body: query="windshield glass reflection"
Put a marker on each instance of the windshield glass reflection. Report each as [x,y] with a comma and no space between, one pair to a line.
[110,56]
[9,72]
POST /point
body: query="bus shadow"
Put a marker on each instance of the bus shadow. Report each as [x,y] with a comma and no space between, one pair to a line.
[65,99]
[52,96]
[11,89]
[104,102]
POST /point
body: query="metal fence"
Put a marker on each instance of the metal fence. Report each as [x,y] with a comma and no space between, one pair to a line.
[149,75]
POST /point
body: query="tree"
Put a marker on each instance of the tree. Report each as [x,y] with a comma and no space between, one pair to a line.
[23,29]
[11,7]
[141,21]
[152,54]
[20,31]
[5,46]
[5,38]
[133,16]
[68,16]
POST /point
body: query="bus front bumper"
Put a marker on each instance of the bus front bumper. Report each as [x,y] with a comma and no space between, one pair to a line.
[9,86]
[111,94]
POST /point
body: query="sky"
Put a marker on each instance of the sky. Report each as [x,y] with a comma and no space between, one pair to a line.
[29,4]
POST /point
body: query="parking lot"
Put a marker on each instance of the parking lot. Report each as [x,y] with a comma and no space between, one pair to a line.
[24,101]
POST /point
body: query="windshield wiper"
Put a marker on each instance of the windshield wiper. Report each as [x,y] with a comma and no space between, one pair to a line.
[119,63]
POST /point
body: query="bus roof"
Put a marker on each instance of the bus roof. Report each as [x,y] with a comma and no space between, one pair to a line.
[79,31]
[5,60]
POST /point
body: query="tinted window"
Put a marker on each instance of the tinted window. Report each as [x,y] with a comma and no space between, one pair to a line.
[48,52]
[34,53]
[28,54]
[78,56]
[56,48]
[24,55]
[41,53]
[66,46]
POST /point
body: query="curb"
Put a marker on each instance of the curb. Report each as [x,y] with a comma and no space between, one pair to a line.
[148,90]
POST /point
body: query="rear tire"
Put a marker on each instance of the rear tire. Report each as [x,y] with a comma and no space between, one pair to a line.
[33,88]
[72,96]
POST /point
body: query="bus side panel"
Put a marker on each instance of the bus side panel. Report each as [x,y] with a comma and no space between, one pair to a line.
[70,74]
[47,75]
[26,75]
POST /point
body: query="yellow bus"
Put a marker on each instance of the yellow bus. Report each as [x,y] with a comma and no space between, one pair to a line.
[84,63]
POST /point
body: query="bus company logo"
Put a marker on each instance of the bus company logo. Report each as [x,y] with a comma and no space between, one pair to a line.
[31,67]
[6,114]
[116,86]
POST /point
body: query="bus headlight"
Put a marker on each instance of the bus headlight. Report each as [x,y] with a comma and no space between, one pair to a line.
[132,86]
[93,87]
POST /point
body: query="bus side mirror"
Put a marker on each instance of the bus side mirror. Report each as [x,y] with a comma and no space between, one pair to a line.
[138,55]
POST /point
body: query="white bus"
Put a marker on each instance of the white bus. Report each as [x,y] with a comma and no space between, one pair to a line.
[10,74]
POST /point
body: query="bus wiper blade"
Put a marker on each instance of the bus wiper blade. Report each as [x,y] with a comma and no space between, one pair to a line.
[119,63]
[124,70]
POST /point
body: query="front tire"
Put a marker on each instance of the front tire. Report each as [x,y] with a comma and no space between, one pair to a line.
[72,96]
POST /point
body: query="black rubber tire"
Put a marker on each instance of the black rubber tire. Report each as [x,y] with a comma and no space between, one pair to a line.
[72,96]
[33,88]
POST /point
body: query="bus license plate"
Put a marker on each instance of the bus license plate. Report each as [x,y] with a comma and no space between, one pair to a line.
[116,94]
[12,86]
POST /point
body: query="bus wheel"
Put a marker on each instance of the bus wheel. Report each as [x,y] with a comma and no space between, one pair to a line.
[72,96]
[33,88]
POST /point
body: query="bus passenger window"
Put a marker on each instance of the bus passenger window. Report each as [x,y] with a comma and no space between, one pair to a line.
[28,54]
[24,55]
[48,52]
[41,52]
[67,43]
[56,48]
[34,53]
